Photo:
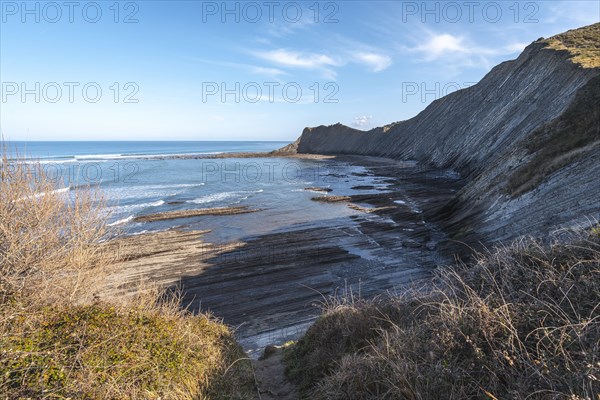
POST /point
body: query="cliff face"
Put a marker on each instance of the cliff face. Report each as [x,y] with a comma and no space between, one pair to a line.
[526,138]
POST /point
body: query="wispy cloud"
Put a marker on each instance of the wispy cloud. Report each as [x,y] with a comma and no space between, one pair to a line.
[376,62]
[295,59]
[311,61]
[459,51]
[324,63]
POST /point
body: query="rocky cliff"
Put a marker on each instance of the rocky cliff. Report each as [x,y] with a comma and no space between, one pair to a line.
[525,138]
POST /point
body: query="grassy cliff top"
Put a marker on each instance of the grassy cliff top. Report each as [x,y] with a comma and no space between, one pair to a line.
[106,351]
[582,43]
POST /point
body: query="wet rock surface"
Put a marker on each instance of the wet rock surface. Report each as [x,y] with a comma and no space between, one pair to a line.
[269,286]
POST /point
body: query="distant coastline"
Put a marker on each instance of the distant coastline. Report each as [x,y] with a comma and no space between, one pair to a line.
[85,151]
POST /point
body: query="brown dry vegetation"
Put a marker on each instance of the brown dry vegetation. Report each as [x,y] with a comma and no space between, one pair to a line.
[522,322]
[48,235]
[58,341]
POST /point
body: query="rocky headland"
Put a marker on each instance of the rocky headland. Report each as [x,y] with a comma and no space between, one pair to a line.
[526,140]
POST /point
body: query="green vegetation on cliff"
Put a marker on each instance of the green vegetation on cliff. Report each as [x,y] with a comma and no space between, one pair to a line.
[105,351]
[522,322]
[574,135]
[582,43]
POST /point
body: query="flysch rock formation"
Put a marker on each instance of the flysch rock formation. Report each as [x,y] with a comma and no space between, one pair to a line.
[516,154]
[525,138]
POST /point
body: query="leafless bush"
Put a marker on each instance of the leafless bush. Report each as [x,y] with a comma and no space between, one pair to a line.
[49,234]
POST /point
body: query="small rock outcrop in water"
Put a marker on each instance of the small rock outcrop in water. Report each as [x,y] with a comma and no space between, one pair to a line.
[526,139]
[193,213]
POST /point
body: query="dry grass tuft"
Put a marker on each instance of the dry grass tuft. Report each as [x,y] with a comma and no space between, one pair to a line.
[523,322]
[49,235]
[58,341]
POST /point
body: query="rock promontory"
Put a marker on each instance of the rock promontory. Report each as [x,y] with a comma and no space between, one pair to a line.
[526,139]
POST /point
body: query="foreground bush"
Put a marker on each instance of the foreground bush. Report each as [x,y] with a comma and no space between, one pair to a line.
[101,351]
[523,322]
[49,235]
[58,342]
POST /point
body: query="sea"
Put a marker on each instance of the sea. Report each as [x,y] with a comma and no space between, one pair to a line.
[138,178]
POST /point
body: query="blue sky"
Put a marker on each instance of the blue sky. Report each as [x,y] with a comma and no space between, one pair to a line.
[193,70]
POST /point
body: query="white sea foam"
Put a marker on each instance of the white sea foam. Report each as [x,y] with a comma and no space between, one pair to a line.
[42,194]
[131,207]
[61,190]
[211,198]
[181,185]
[313,191]
[167,186]
[141,192]
[140,156]
[122,221]
[44,162]
[67,161]
[87,158]
[98,156]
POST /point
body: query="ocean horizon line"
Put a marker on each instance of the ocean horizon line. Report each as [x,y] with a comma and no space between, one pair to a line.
[86,151]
